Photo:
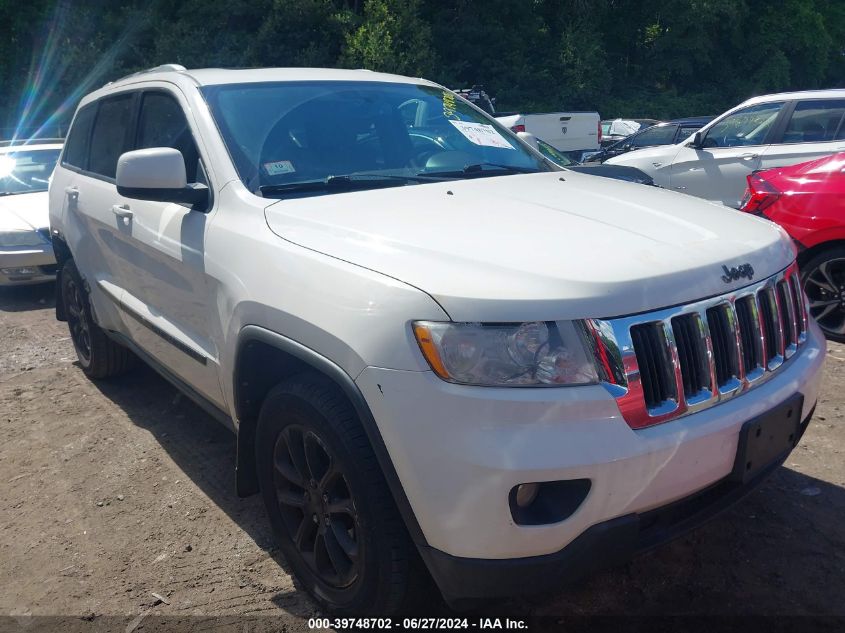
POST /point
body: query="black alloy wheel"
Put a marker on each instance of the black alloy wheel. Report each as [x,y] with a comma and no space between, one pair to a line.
[331,510]
[80,327]
[99,356]
[316,505]
[824,283]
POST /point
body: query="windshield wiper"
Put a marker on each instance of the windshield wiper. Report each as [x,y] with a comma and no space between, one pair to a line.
[348,182]
[478,169]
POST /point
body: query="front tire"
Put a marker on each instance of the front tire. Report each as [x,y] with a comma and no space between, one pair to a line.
[99,356]
[328,502]
[823,279]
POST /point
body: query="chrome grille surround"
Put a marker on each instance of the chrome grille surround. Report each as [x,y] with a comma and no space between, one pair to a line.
[617,358]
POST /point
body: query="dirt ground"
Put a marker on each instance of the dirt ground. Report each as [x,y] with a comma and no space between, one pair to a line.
[115,491]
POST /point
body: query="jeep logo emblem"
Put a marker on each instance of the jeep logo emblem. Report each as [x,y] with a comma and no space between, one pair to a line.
[738,272]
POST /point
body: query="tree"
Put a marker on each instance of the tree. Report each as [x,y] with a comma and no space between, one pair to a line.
[391,38]
[659,58]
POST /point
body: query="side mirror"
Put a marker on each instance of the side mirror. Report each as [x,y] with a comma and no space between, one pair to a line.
[697,141]
[158,174]
[529,138]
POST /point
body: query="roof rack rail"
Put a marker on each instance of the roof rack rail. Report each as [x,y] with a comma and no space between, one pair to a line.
[155,69]
[31,141]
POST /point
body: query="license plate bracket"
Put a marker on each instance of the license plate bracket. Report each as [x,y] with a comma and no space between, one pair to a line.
[767,438]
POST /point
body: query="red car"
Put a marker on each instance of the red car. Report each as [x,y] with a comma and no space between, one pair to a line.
[808,200]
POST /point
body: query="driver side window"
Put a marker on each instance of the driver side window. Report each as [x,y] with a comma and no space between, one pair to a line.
[162,124]
[749,126]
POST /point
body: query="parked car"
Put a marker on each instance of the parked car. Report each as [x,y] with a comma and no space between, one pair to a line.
[570,132]
[26,252]
[471,358]
[615,130]
[761,133]
[667,133]
[808,200]
[479,97]
[617,172]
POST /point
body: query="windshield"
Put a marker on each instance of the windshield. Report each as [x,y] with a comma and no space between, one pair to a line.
[285,134]
[26,170]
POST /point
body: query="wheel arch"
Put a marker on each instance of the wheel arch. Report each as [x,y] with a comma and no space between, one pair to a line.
[61,251]
[806,254]
[262,360]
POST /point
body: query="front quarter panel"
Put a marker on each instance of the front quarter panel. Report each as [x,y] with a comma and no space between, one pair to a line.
[351,315]
[654,161]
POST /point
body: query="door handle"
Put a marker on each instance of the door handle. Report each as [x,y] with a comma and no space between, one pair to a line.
[122,211]
[72,192]
[748,156]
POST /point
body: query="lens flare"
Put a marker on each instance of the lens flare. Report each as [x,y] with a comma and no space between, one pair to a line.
[7,166]
[49,65]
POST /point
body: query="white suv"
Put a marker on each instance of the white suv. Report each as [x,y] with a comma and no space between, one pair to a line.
[763,132]
[468,358]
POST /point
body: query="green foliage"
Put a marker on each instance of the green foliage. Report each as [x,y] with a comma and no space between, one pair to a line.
[391,38]
[658,58]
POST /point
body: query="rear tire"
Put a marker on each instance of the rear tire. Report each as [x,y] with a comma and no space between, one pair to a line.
[99,356]
[328,502]
[823,279]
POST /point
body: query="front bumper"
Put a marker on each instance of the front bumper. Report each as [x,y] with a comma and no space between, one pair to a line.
[31,265]
[602,546]
[458,451]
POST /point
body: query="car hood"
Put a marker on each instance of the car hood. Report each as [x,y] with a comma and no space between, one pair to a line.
[538,246]
[24,211]
[619,172]
[638,157]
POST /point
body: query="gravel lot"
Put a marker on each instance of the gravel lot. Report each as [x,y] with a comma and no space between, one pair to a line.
[111,492]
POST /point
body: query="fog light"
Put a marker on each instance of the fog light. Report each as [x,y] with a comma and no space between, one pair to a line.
[526,493]
[20,272]
[546,502]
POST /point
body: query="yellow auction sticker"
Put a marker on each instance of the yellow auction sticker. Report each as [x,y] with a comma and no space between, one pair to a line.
[449,105]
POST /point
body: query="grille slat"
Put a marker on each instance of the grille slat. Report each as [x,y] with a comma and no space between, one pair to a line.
[655,365]
[768,312]
[713,350]
[692,354]
[749,329]
[798,304]
[723,336]
[787,316]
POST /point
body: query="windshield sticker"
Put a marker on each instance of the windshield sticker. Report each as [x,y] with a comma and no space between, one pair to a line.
[481,134]
[279,167]
[449,105]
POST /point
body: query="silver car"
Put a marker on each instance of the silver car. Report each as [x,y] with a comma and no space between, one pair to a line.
[26,251]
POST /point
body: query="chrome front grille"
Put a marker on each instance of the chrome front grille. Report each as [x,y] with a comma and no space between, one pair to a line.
[665,364]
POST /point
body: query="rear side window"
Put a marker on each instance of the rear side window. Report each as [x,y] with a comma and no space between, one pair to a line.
[76,147]
[108,140]
[657,135]
[815,122]
[163,124]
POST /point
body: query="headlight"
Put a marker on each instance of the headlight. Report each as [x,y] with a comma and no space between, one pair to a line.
[20,238]
[511,354]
